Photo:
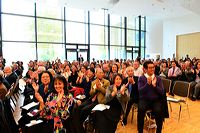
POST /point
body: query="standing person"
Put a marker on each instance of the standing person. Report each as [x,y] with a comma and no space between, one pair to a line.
[80,59]
[58,106]
[116,97]
[151,91]
[131,83]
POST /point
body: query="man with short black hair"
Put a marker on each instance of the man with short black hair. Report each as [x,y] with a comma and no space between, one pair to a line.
[151,91]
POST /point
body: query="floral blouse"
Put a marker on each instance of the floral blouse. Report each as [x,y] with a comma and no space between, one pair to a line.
[58,111]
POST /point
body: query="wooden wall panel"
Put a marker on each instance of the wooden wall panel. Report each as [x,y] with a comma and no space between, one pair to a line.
[188,44]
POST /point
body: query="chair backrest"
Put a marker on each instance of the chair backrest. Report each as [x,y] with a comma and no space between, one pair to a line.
[166,84]
[181,88]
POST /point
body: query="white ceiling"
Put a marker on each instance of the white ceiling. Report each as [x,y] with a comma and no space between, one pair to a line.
[152,8]
[162,9]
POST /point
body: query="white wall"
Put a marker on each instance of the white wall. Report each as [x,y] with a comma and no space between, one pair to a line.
[154,37]
[178,26]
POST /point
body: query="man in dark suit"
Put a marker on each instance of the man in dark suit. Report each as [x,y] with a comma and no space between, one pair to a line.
[80,58]
[10,76]
[131,82]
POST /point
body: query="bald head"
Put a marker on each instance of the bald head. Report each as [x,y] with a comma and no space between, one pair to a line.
[7,70]
[130,71]
[99,73]
[106,68]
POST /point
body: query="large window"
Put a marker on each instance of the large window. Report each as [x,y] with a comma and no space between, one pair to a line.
[46,31]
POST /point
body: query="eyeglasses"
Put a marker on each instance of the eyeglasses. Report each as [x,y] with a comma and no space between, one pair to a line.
[151,67]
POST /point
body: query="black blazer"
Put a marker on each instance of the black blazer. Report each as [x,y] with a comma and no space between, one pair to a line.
[134,93]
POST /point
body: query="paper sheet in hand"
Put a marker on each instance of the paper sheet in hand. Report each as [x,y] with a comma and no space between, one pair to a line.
[33,122]
[30,105]
[101,107]
[80,96]
[33,112]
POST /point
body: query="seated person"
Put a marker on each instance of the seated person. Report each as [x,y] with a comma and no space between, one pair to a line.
[97,95]
[173,74]
[113,72]
[3,89]
[4,81]
[41,92]
[87,81]
[164,69]
[116,97]
[44,89]
[73,77]
[10,76]
[196,89]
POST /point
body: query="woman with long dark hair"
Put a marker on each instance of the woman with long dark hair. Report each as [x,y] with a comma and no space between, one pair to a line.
[58,105]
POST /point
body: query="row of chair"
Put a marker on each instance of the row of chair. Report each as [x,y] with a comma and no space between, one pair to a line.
[13,94]
[181,91]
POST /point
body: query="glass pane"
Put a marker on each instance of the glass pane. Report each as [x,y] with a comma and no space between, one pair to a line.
[116,20]
[137,23]
[18,7]
[135,55]
[49,9]
[117,52]
[18,52]
[76,14]
[117,36]
[98,34]
[51,51]
[142,52]
[131,22]
[142,23]
[129,55]
[130,37]
[22,29]
[98,52]
[76,32]
[100,19]
[71,56]
[137,38]
[143,39]
[49,30]
[83,47]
